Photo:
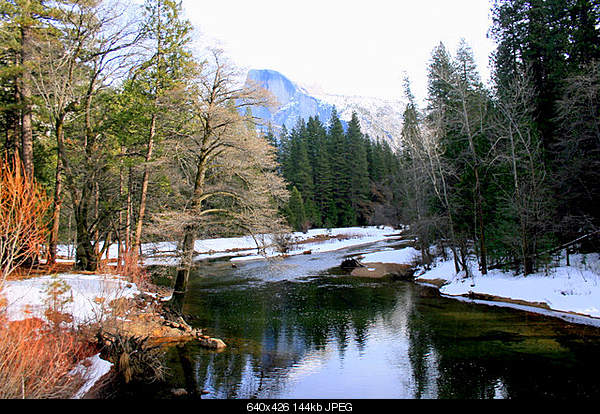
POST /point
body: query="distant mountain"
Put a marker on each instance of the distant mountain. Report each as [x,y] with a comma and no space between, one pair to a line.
[378,118]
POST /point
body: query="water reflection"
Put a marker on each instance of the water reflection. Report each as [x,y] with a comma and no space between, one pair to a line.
[337,337]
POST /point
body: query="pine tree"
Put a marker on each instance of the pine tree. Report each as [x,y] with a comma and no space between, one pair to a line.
[22,21]
[270,136]
[283,153]
[553,42]
[165,70]
[457,111]
[323,184]
[341,174]
[300,173]
[358,164]
[376,166]
[415,182]
[315,133]
[295,211]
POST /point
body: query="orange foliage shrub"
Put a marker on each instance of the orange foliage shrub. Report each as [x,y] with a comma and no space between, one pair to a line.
[23,205]
[133,270]
[35,360]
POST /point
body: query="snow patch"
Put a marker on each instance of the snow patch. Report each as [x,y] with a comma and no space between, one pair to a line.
[574,288]
[403,256]
[89,296]
[91,369]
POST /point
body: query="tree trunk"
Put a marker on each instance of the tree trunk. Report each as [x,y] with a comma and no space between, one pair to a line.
[86,258]
[25,101]
[478,196]
[13,126]
[129,211]
[57,198]
[120,225]
[183,273]
[96,216]
[144,191]
[482,244]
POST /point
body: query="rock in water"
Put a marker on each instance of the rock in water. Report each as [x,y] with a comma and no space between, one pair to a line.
[179,392]
[211,343]
[351,264]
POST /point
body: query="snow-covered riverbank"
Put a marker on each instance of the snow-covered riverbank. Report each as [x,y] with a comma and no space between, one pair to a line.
[90,294]
[245,248]
[569,292]
[86,299]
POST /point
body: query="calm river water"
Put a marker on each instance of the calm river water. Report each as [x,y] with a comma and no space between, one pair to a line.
[295,331]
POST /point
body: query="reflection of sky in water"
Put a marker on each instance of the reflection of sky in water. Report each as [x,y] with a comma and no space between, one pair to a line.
[377,368]
[382,372]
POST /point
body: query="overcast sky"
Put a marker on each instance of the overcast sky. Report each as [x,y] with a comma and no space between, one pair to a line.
[349,47]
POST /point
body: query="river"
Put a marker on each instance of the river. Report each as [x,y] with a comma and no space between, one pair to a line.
[294,330]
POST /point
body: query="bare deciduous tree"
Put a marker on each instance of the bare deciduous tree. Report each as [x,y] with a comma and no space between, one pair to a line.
[520,148]
[228,170]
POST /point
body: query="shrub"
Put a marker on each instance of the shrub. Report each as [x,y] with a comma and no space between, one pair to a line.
[23,206]
[133,270]
[284,242]
[58,295]
[35,361]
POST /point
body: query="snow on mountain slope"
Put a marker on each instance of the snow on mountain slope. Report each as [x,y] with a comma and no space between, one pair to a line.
[378,118]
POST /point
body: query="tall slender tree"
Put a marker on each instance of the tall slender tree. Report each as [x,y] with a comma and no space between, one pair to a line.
[168,37]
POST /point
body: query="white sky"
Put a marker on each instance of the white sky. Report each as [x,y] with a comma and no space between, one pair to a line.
[349,47]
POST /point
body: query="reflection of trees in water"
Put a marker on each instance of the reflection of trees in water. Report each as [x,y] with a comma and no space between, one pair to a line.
[484,353]
[280,324]
[445,362]
[453,350]
[422,355]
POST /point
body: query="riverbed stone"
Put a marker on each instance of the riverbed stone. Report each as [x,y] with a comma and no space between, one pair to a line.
[152,321]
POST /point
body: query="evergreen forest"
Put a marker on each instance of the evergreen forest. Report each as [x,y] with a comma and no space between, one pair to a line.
[337,178]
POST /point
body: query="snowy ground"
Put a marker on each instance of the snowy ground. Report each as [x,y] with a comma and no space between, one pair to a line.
[87,297]
[349,237]
[566,290]
[91,369]
[402,256]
